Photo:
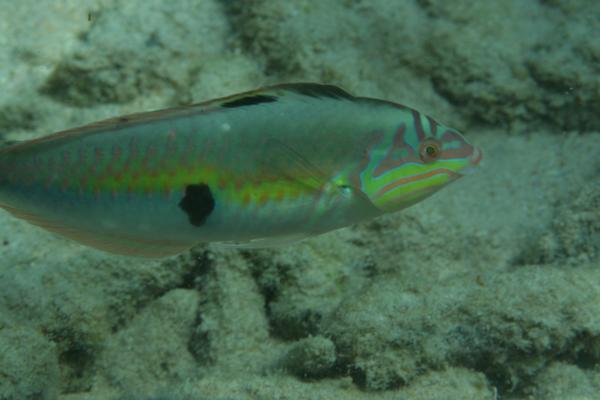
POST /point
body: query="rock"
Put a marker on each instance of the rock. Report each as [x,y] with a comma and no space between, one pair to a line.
[312,357]
[28,365]
[154,345]
[563,381]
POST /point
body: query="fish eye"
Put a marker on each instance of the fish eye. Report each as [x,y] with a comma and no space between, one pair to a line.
[430,151]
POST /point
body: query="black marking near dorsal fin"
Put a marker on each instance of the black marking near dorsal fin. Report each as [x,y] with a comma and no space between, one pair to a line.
[250,100]
[316,90]
[272,94]
[198,203]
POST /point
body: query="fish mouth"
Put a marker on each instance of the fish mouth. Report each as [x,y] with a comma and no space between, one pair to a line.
[476,157]
[474,161]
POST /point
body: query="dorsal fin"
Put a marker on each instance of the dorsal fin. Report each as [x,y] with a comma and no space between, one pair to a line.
[316,90]
[8,143]
[268,94]
[251,100]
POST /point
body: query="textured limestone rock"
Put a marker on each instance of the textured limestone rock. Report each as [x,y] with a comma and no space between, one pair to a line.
[154,346]
[28,365]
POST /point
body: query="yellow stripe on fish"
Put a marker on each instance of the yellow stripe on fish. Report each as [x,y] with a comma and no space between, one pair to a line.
[268,166]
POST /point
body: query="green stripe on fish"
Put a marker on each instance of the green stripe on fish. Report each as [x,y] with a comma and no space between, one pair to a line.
[268,166]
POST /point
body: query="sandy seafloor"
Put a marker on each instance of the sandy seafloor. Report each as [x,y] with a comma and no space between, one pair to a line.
[489,289]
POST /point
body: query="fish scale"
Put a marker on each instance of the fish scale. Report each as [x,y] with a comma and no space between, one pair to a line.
[260,168]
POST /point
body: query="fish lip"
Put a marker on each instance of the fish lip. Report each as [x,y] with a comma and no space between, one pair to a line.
[476,157]
[474,161]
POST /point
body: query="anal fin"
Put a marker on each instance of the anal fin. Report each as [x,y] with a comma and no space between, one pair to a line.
[111,242]
[266,242]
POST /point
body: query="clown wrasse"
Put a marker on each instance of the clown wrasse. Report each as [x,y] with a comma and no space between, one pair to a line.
[272,165]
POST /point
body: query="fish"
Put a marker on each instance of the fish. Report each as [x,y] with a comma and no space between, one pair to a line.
[261,168]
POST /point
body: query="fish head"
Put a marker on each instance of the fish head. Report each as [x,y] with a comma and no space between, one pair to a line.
[415,161]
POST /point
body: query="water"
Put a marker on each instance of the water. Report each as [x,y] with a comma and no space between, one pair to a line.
[489,289]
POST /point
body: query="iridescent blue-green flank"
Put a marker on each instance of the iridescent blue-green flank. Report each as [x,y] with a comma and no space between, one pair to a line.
[269,166]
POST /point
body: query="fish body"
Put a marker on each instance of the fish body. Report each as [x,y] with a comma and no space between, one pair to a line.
[272,165]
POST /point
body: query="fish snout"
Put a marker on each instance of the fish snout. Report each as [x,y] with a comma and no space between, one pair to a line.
[476,157]
[474,161]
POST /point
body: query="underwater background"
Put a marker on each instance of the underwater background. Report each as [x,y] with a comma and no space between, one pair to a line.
[488,290]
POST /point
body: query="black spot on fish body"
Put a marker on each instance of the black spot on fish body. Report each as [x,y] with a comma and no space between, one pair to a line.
[198,203]
[249,101]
